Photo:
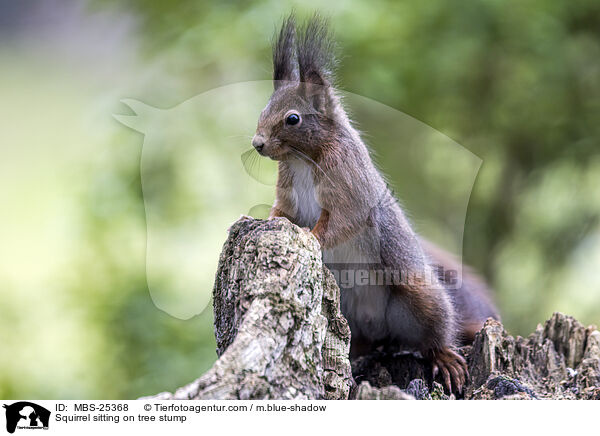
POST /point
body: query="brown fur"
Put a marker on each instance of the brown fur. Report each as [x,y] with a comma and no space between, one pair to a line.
[328,183]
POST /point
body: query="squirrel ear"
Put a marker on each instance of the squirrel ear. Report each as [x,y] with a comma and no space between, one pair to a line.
[285,64]
[316,62]
[316,90]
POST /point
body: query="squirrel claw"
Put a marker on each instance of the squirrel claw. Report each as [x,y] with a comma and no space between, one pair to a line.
[453,369]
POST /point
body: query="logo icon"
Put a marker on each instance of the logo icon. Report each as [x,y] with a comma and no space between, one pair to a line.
[187,171]
[26,415]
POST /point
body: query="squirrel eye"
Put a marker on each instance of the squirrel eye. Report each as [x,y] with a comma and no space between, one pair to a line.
[292,119]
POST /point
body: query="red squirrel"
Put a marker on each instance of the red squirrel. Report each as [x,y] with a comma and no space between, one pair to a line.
[328,183]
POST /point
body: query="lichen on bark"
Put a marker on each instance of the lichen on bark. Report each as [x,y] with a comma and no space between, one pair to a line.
[279,330]
[280,335]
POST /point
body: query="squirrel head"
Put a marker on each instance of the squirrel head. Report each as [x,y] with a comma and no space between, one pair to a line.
[303,113]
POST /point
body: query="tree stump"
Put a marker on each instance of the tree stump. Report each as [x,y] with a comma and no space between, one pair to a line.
[280,335]
[279,330]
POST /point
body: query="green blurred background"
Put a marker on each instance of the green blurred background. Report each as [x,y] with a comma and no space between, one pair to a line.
[516,82]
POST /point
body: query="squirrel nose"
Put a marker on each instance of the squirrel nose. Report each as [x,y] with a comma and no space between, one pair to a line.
[258,142]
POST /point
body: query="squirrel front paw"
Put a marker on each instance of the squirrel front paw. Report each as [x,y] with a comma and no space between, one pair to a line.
[452,367]
[316,235]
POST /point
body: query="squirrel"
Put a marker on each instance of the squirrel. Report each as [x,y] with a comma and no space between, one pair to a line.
[328,183]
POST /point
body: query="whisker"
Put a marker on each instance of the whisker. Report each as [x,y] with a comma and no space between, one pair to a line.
[239,136]
[259,163]
[304,155]
[250,164]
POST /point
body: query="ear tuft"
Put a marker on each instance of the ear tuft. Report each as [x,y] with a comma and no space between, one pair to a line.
[285,65]
[316,52]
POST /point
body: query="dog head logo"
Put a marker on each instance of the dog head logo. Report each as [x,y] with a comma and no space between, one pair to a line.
[26,415]
[199,173]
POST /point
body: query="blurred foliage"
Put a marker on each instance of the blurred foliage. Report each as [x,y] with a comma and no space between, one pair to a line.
[515,82]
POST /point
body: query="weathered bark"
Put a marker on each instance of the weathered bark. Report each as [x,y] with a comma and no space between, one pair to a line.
[560,360]
[280,335]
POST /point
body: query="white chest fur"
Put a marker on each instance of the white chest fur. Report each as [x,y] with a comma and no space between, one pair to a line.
[304,193]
